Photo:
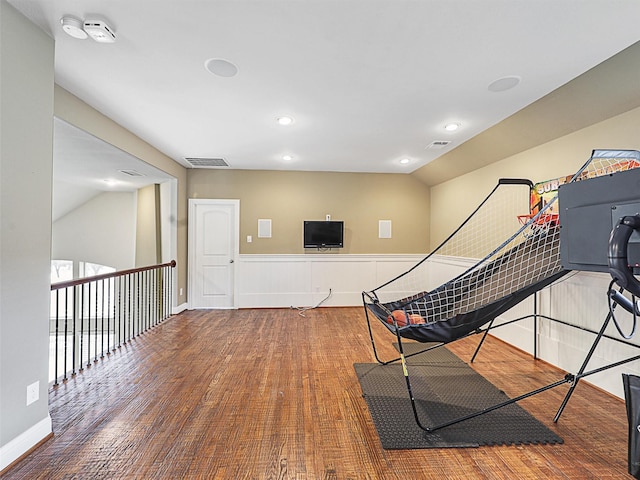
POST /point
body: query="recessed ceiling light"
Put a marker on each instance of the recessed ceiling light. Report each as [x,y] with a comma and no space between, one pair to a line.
[504,83]
[221,67]
[451,127]
[404,161]
[73,27]
[285,120]
[287,158]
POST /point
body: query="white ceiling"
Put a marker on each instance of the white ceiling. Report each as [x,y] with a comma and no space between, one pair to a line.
[85,166]
[368,82]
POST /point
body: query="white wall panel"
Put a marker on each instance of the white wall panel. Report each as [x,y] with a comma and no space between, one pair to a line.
[386,269]
[579,299]
[273,281]
[305,280]
[442,269]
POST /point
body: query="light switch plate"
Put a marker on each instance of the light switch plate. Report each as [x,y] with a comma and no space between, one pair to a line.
[33,392]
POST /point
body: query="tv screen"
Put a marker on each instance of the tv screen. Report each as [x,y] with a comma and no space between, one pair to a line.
[323,234]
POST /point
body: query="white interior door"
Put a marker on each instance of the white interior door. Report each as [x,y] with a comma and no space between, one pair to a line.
[213,250]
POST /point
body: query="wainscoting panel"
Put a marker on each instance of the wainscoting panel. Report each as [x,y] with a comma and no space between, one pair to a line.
[273,281]
[304,280]
[579,299]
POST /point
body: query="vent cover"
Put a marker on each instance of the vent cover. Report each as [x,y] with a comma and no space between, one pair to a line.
[132,173]
[438,144]
[206,162]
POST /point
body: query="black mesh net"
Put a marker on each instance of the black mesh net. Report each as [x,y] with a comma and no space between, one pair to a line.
[494,274]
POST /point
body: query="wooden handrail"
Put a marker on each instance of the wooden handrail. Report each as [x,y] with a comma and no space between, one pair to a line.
[80,281]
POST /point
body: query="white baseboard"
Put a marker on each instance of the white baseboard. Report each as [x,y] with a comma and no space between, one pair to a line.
[20,445]
[180,308]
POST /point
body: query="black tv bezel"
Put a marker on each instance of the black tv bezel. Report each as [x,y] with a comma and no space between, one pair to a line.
[306,223]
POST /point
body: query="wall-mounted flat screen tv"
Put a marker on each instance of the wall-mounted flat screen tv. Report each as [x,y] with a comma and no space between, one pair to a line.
[323,234]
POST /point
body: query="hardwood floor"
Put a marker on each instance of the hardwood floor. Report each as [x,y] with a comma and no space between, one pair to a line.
[269,394]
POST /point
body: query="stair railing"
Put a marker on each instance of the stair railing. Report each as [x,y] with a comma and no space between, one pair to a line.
[94,316]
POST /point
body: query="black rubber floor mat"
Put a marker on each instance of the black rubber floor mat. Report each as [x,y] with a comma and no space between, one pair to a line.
[445,388]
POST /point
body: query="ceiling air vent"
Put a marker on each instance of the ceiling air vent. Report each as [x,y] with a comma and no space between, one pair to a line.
[199,162]
[132,173]
[438,144]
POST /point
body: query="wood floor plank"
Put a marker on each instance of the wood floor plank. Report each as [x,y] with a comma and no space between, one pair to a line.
[271,394]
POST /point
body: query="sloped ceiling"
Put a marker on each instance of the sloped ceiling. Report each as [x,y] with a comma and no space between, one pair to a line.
[609,89]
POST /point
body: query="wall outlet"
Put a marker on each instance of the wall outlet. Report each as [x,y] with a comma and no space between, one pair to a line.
[33,392]
[181,291]
[249,239]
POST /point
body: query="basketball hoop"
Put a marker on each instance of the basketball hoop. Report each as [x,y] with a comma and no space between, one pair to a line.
[544,220]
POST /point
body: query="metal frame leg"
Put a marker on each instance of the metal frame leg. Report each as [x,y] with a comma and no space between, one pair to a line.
[580,373]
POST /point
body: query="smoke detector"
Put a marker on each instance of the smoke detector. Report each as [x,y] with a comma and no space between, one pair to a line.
[73,27]
[99,31]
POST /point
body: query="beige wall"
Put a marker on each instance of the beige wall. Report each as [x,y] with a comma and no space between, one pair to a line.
[453,200]
[289,198]
[74,111]
[146,227]
[26,149]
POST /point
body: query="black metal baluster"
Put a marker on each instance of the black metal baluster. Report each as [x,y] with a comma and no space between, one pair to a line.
[66,331]
[55,345]
[149,299]
[132,306]
[149,293]
[161,299]
[82,290]
[128,308]
[101,322]
[119,310]
[156,297]
[109,293]
[170,294]
[89,326]
[132,333]
[95,332]
[168,283]
[143,300]
[163,289]
[76,296]
[159,296]
[138,301]
[152,298]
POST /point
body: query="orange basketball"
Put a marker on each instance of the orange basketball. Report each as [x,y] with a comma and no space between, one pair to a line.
[400,317]
[416,319]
